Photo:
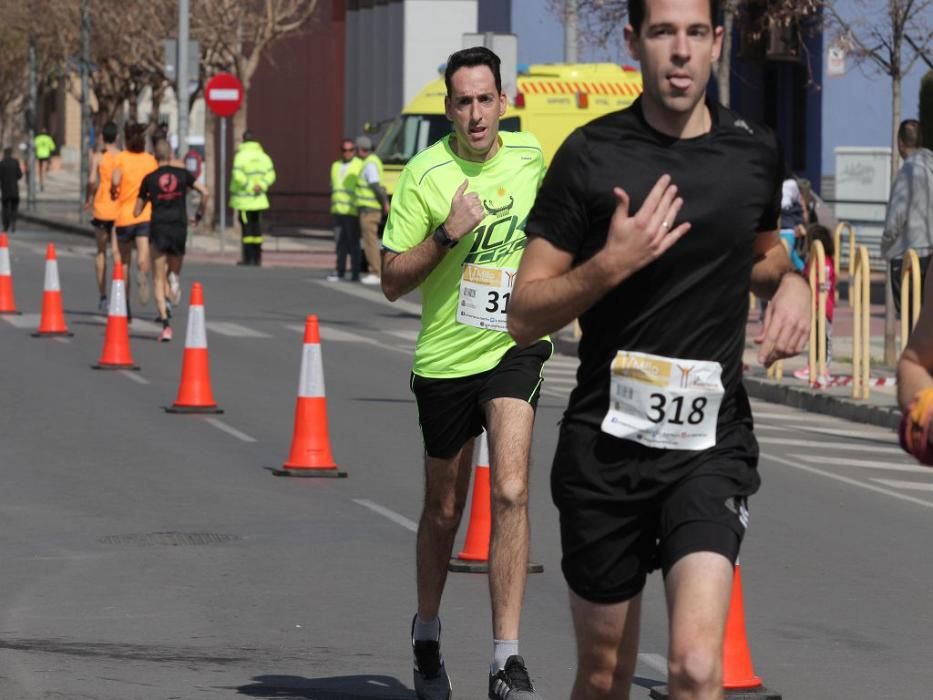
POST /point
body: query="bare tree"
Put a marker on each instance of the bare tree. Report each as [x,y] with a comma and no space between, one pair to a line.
[602,22]
[235,35]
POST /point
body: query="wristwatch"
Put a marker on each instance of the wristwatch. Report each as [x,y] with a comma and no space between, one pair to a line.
[442,238]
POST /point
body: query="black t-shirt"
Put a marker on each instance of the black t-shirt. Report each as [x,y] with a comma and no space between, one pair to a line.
[166,188]
[692,302]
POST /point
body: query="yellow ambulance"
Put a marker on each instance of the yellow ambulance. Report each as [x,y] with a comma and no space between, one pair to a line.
[552,99]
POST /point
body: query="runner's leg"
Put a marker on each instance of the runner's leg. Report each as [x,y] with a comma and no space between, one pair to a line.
[100,259]
[446,484]
[607,647]
[143,263]
[698,589]
[160,282]
[510,423]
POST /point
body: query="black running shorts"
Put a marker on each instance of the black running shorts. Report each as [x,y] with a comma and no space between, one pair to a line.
[450,411]
[125,234]
[168,239]
[102,224]
[621,516]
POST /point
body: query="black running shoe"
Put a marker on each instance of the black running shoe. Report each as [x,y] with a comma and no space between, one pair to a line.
[431,681]
[512,682]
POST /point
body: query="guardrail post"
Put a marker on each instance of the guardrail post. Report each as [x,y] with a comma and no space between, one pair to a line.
[910,295]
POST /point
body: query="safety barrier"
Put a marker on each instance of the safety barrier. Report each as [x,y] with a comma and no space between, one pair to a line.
[910,295]
[860,299]
[819,290]
[837,246]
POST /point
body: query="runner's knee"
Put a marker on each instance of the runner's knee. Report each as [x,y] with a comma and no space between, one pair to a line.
[695,667]
[604,675]
[510,494]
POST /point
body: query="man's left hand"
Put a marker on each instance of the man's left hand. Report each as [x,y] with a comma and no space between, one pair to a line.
[786,327]
[257,189]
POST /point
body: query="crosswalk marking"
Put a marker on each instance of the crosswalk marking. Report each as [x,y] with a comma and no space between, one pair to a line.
[338,335]
[861,463]
[906,485]
[787,442]
[405,334]
[375,295]
[764,415]
[865,434]
[234,330]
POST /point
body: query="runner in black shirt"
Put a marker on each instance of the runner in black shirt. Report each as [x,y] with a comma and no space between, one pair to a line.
[656,455]
[167,189]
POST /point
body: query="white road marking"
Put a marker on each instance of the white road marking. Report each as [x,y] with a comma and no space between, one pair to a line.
[234,330]
[220,425]
[765,415]
[137,324]
[906,485]
[62,340]
[655,661]
[570,372]
[375,295]
[865,433]
[788,442]
[860,463]
[386,513]
[852,482]
[134,376]
[338,335]
[409,335]
[24,321]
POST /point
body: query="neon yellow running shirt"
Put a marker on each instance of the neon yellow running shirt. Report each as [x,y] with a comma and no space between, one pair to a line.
[482,263]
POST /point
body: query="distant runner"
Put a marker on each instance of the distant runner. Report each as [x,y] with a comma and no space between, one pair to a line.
[104,207]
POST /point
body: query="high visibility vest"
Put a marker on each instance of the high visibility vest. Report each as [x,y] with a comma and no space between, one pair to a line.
[365,197]
[343,188]
[44,145]
[251,167]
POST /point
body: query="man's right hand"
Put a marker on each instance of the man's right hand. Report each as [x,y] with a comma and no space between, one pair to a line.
[466,213]
[635,241]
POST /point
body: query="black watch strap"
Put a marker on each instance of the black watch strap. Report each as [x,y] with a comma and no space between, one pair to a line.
[442,238]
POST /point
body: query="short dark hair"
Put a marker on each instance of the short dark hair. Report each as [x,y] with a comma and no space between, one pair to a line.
[163,150]
[474,56]
[135,135]
[7,151]
[109,131]
[908,133]
[637,9]
[248,136]
[818,232]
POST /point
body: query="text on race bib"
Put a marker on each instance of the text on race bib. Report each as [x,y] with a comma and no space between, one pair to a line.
[484,296]
[664,402]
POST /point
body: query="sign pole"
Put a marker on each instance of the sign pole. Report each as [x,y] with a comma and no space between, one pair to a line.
[222,182]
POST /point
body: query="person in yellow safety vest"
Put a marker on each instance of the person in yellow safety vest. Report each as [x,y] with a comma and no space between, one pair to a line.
[45,146]
[372,202]
[253,175]
[343,175]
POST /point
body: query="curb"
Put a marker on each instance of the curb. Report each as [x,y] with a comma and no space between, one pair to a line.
[57,224]
[796,397]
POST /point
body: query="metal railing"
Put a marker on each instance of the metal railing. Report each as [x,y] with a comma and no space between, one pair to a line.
[819,290]
[910,295]
[860,300]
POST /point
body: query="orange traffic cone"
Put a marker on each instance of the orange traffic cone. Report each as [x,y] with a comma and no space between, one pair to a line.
[738,676]
[194,390]
[7,302]
[116,352]
[52,321]
[474,559]
[310,453]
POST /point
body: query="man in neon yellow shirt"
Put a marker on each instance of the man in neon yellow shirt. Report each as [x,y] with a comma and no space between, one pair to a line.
[45,146]
[456,229]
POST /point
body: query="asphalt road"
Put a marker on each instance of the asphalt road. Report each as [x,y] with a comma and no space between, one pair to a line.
[147,555]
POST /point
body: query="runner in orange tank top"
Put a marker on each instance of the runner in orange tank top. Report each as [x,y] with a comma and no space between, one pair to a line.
[103,207]
[130,167]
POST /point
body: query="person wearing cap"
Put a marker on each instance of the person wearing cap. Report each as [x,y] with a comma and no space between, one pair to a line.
[372,203]
[253,175]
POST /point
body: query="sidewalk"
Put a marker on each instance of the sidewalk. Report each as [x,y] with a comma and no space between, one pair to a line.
[57,207]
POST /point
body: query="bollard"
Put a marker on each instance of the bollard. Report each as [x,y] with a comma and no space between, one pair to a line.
[861,318]
[837,260]
[910,295]
[818,293]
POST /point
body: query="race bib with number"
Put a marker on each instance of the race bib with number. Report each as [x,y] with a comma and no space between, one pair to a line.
[664,402]
[484,296]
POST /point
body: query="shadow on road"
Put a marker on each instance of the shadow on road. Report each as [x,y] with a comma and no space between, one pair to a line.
[332,688]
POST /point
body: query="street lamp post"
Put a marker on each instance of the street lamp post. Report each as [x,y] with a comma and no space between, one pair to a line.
[181,75]
[85,107]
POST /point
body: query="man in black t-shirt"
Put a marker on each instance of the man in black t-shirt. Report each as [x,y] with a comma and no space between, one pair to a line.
[167,188]
[10,175]
[651,226]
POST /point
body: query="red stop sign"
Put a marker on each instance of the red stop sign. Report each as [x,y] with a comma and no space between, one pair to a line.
[224,94]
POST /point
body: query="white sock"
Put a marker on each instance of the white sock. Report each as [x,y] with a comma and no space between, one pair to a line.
[502,649]
[427,629]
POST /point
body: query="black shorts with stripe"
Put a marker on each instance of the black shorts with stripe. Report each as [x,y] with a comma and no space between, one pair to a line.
[450,411]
